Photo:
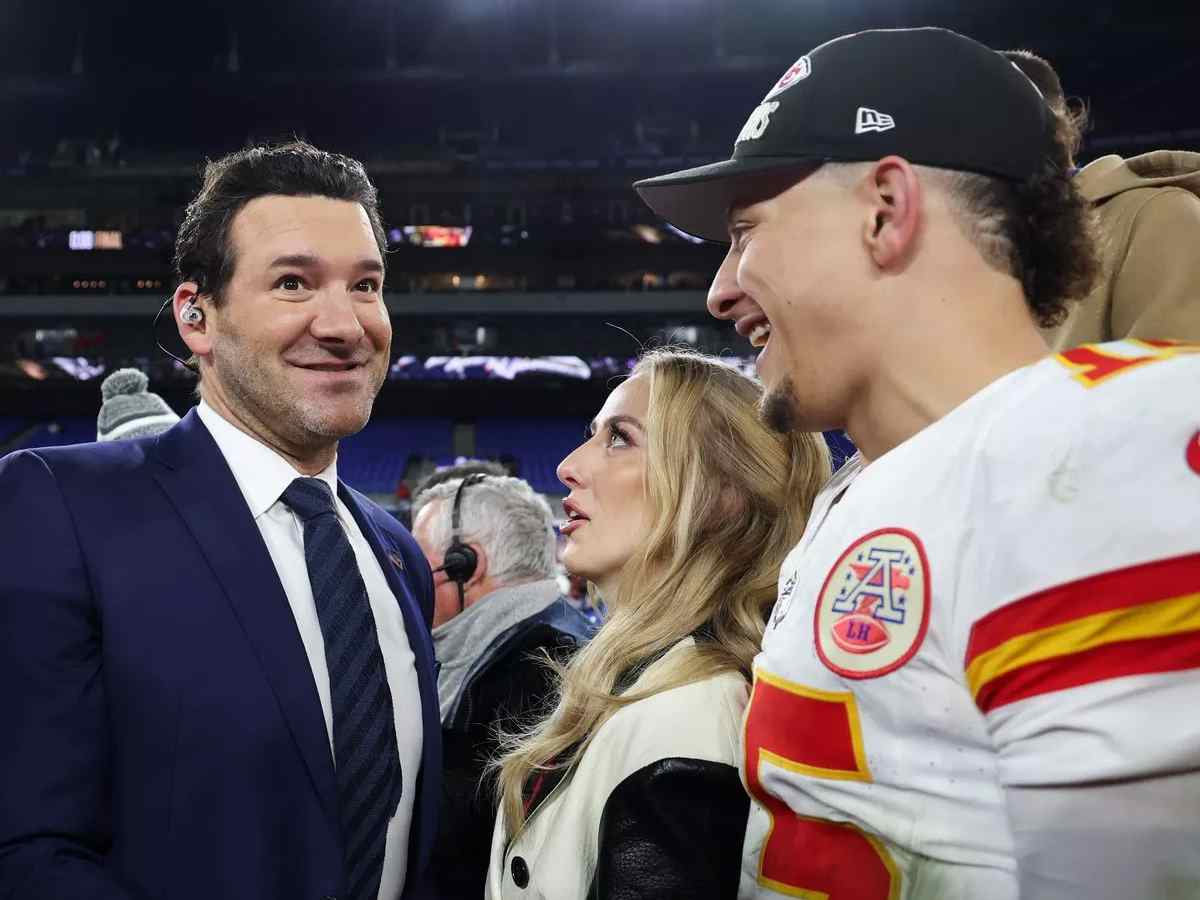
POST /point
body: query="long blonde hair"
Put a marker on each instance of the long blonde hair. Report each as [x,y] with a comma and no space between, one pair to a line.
[728,498]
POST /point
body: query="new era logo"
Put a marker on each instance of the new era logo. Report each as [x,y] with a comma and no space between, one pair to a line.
[872,120]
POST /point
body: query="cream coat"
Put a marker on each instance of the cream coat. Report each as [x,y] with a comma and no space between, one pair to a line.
[557,844]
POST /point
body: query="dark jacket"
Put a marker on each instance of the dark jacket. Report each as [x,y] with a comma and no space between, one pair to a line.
[500,683]
[163,735]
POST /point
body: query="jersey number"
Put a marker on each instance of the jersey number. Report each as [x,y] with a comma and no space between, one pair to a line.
[1096,363]
[816,734]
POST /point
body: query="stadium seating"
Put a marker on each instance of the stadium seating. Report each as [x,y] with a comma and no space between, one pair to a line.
[538,444]
[374,460]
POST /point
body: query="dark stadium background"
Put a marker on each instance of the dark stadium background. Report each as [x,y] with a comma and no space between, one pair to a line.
[524,120]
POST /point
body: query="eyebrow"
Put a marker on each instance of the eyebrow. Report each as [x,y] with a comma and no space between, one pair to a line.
[308,261]
[617,420]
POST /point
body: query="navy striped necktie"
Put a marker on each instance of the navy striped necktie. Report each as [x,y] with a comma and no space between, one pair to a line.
[366,759]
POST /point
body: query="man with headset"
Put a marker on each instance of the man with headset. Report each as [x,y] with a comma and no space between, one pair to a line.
[491,543]
[215,659]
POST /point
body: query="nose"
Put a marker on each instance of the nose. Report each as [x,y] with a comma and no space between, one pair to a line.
[724,293]
[337,318]
[568,471]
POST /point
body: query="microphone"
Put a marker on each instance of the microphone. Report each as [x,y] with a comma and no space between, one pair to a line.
[192,367]
[462,597]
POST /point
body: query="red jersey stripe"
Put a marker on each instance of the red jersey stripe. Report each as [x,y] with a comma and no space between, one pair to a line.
[1165,653]
[1106,591]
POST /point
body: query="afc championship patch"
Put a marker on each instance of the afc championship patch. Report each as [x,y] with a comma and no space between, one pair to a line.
[873,609]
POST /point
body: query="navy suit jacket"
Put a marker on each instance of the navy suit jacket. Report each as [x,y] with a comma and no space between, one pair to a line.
[162,736]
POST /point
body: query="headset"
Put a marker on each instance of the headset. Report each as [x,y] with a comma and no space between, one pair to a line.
[190,314]
[460,560]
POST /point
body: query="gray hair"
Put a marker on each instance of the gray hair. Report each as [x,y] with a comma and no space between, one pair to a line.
[511,522]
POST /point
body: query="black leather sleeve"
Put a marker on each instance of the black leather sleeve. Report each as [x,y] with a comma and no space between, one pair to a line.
[670,831]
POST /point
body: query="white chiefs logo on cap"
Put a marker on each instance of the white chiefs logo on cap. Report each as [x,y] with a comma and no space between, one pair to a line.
[799,70]
[756,125]
[873,610]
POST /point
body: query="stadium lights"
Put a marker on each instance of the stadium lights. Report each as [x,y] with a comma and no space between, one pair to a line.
[648,233]
[95,240]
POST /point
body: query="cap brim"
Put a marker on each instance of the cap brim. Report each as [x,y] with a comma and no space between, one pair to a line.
[697,200]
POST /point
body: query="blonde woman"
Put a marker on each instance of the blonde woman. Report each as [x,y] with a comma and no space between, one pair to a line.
[682,507]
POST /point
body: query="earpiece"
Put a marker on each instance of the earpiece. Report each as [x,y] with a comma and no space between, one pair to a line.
[460,560]
[191,314]
[459,563]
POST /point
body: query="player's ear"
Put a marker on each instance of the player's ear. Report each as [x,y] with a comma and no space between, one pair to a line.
[892,194]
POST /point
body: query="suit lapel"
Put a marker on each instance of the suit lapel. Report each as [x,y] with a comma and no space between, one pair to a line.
[200,484]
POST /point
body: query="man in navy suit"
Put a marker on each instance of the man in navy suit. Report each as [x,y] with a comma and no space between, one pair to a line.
[216,671]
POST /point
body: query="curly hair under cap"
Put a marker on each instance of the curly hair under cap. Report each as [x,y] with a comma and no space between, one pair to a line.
[1042,231]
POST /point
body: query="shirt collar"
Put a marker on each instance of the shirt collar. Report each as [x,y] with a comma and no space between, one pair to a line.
[261,473]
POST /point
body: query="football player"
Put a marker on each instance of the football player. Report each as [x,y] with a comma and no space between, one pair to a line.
[980,676]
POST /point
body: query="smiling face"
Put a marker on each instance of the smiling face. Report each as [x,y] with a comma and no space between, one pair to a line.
[607,507]
[297,348]
[788,283]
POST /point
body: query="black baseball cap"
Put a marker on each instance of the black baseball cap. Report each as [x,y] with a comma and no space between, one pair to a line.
[930,95]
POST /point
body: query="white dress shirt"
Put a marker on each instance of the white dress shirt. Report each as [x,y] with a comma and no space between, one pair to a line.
[263,475]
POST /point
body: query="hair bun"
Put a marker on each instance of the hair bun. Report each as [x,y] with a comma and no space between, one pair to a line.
[124,381]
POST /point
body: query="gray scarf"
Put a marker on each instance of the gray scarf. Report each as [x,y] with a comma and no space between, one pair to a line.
[460,642]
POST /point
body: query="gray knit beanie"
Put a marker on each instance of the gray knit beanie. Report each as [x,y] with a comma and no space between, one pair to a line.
[129,410]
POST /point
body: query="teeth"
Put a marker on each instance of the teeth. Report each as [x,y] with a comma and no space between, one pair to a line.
[759,334]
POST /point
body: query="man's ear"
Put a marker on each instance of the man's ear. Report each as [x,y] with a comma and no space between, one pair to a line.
[894,210]
[193,333]
[481,566]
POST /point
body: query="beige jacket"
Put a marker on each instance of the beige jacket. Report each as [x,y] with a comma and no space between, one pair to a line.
[1149,209]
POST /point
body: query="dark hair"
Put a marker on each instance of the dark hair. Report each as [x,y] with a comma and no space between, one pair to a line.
[203,250]
[1041,73]
[1071,116]
[1042,231]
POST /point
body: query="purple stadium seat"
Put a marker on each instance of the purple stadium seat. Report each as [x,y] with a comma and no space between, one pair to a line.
[538,444]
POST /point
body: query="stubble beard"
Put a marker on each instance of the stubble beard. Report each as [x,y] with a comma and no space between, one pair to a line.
[278,404]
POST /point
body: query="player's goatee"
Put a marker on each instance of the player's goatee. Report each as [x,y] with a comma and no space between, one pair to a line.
[778,407]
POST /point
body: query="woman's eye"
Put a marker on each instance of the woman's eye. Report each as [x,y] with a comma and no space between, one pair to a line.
[617,438]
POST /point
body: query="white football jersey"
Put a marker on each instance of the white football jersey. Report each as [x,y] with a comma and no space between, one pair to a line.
[981,678]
